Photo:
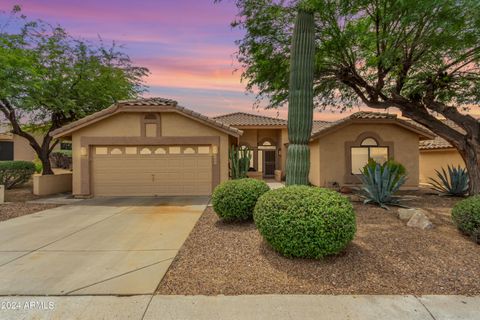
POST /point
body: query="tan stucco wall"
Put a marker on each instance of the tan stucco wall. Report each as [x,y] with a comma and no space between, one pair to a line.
[249,137]
[431,160]
[52,184]
[283,157]
[21,147]
[333,154]
[128,125]
[314,173]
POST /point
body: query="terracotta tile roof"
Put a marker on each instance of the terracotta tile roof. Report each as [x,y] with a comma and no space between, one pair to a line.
[147,104]
[156,101]
[371,115]
[249,119]
[321,128]
[437,143]
[319,125]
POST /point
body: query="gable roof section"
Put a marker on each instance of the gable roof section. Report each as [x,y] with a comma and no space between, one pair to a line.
[144,105]
[372,117]
[438,142]
[243,119]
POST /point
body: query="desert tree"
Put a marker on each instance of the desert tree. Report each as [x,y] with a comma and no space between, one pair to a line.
[421,57]
[49,78]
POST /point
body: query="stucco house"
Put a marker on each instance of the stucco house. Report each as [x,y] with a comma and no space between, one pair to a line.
[15,147]
[435,154]
[338,150]
[156,147]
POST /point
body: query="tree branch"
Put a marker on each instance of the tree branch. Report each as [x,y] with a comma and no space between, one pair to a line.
[8,110]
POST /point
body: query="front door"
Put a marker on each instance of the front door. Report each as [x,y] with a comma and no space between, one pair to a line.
[269,163]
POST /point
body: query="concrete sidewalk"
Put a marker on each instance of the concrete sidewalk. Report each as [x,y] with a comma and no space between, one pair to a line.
[275,307]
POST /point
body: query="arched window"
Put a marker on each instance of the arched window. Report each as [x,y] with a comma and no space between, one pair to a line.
[369,142]
[146,151]
[369,149]
[160,151]
[116,151]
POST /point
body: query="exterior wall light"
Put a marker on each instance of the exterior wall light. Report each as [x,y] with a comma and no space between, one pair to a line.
[83,151]
[214,152]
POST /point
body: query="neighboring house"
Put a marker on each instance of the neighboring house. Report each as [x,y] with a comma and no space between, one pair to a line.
[436,154]
[156,147]
[15,147]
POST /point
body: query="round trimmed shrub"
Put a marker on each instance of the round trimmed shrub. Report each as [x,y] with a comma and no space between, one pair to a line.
[15,173]
[235,199]
[466,216]
[305,222]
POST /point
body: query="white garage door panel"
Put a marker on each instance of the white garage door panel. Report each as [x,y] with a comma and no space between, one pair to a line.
[151,174]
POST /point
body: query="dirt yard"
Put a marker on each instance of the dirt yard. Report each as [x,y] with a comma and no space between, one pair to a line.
[15,203]
[386,257]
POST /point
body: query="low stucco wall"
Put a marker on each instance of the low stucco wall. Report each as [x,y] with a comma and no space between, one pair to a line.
[52,184]
[431,160]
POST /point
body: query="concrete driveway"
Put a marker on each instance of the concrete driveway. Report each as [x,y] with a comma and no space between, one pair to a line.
[119,246]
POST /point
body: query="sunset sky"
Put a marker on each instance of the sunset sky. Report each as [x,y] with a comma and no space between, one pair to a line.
[188,45]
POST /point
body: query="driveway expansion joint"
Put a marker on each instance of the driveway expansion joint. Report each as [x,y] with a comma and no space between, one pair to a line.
[429,312]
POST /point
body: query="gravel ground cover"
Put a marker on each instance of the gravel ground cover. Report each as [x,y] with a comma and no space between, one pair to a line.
[15,203]
[386,257]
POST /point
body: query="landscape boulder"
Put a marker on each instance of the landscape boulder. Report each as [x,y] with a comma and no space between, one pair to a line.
[420,220]
[407,213]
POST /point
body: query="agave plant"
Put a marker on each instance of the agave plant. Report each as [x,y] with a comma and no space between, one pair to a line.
[381,182]
[453,182]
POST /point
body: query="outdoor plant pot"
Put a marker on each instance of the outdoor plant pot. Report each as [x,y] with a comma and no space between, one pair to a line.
[254,175]
[278,175]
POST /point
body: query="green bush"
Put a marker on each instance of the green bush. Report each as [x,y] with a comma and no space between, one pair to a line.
[14,173]
[235,199]
[307,222]
[38,165]
[466,216]
[61,159]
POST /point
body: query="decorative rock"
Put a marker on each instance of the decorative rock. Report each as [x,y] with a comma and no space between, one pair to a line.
[406,214]
[346,190]
[420,220]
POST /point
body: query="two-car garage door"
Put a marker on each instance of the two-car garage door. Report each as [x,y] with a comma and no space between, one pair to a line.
[151,170]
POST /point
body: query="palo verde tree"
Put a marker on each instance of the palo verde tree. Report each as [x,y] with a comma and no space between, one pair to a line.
[421,57]
[48,79]
[300,99]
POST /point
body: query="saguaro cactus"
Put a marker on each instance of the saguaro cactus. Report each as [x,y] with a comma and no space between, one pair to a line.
[300,100]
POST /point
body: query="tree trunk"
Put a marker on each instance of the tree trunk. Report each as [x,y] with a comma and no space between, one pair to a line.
[46,165]
[467,144]
[44,155]
[300,100]
[471,156]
